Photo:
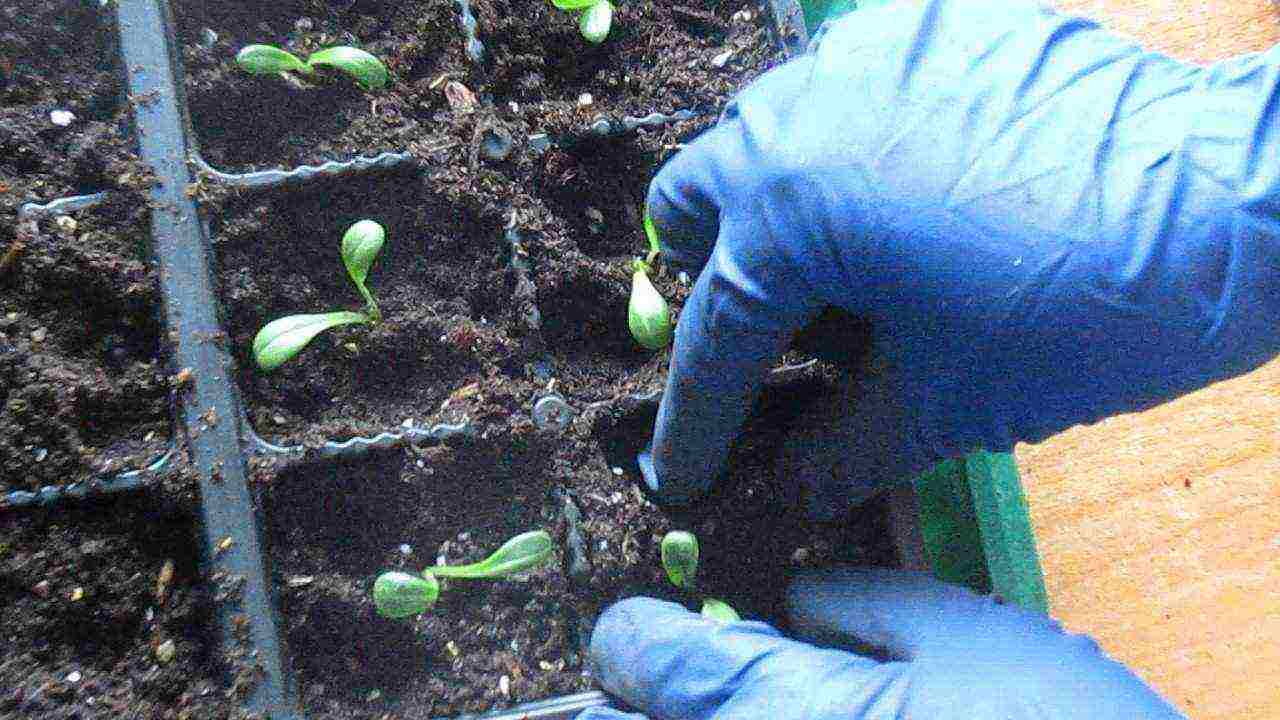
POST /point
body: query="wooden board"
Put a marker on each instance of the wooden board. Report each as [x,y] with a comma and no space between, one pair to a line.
[1159,532]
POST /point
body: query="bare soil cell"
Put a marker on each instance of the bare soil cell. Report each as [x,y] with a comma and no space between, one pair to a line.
[479,322]
[83,386]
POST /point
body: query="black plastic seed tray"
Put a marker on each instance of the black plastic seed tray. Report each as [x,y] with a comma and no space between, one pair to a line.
[207,409]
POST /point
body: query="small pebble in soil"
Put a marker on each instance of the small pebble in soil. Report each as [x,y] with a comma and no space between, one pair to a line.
[616,471]
[300,580]
[208,37]
[38,335]
[722,59]
[374,695]
[74,676]
[504,685]
[800,556]
[742,16]
[459,96]
[585,100]
[61,118]
[165,652]
[496,144]
[77,594]
[405,549]
[452,647]
[41,589]
[303,25]
[539,143]
[40,453]
[66,225]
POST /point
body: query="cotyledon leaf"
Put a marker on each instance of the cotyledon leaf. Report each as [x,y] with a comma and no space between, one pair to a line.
[574,4]
[268,60]
[679,551]
[719,610]
[519,553]
[360,247]
[400,594]
[359,64]
[279,340]
[596,21]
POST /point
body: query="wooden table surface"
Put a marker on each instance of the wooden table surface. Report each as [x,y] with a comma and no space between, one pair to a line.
[1159,532]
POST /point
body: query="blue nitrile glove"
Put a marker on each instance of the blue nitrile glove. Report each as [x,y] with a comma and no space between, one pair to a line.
[952,654]
[1044,225]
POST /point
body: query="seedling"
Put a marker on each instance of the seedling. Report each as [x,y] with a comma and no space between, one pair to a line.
[280,340]
[680,558]
[399,595]
[719,610]
[679,552]
[648,315]
[366,69]
[595,20]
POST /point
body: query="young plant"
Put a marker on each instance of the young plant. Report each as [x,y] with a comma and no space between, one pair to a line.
[648,315]
[719,610]
[679,552]
[366,69]
[280,340]
[399,595]
[595,20]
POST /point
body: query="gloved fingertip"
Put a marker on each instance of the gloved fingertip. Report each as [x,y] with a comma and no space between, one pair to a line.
[621,625]
[666,495]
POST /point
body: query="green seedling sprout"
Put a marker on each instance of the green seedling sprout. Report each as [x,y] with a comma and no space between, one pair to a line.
[519,553]
[679,552]
[648,315]
[366,69]
[281,339]
[680,558]
[400,594]
[595,20]
[360,247]
[719,610]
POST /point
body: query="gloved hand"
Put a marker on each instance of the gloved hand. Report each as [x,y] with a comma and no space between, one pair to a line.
[953,655]
[1044,225]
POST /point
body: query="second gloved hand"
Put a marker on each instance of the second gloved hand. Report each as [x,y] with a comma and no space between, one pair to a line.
[1043,224]
[952,656]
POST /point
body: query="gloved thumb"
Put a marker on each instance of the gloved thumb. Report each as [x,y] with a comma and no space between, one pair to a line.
[957,640]
[912,616]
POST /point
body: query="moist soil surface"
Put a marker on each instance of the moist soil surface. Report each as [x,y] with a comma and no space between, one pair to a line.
[504,278]
[82,392]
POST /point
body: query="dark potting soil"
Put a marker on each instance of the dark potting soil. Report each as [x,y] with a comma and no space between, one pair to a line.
[87,621]
[487,645]
[83,385]
[81,391]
